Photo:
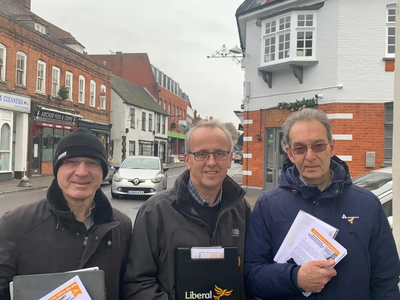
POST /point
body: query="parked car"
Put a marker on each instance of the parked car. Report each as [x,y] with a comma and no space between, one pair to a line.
[139,176]
[110,174]
[238,157]
[380,183]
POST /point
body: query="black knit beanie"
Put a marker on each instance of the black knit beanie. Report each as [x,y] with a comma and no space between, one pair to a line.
[80,143]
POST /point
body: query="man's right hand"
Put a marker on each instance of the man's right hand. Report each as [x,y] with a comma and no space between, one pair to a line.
[313,276]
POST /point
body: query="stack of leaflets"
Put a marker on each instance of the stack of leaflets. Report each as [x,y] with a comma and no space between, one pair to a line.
[308,239]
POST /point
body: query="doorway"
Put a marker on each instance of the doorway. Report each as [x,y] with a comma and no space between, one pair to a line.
[274,157]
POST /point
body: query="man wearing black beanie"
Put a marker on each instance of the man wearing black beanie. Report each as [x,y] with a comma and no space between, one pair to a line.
[74,227]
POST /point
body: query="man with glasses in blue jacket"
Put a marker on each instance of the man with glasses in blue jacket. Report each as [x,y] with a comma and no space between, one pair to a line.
[204,208]
[319,183]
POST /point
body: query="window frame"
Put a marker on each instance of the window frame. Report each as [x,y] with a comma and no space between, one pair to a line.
[130,150]
[7,138]
[44,65]
[150,122]
[70,89]
[22,54]
[81,93]
[390,24]
[388,126]
[3,70]
[92,93]
[283,30]
[55,93]
[158,125]
[103,99]
[132,116]
[143,121]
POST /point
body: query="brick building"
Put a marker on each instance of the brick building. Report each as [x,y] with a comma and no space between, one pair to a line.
[317,50]
[37,60]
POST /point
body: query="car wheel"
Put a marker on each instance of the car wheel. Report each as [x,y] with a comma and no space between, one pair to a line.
[110,181]
[114,195]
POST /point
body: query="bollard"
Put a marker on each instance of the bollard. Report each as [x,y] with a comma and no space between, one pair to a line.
[24,182]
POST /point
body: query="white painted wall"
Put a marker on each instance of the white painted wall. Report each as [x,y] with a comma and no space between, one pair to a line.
[350,46]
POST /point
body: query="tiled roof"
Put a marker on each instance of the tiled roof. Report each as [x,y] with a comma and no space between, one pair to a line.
[135,95]
[24,15]
[252,5]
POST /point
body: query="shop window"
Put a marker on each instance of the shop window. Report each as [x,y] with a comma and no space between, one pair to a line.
[5,144]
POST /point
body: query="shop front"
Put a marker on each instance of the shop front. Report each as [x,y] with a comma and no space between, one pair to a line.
[14,126]
[101,130]
[49,126]
[160,148]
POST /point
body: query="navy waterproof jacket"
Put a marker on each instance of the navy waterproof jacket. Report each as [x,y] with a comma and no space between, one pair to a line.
[371,269]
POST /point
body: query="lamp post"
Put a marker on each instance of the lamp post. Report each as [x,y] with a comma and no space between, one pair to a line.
[235,53]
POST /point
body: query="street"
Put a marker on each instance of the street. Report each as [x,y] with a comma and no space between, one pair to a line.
[128,206]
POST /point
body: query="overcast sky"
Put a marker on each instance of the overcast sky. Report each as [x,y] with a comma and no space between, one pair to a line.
[177,35]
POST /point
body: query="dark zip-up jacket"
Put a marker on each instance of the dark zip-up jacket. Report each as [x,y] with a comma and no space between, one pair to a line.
[371,269]
[167,221]
[45,237]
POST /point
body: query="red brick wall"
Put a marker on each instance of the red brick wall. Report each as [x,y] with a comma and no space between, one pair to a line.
[38,47]
[171,98]
[134,67]
[366,127]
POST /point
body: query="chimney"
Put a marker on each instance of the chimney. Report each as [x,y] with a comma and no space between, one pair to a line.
[24,3]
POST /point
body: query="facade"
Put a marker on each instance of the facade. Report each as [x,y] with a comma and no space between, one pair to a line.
[37,61]
[317,51]
[174,101]
[139,123]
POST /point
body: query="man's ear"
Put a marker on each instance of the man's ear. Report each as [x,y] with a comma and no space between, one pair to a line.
[332,147]
[186,158]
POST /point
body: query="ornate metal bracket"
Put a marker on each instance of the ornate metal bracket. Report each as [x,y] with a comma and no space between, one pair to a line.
[297,72]
[267,77]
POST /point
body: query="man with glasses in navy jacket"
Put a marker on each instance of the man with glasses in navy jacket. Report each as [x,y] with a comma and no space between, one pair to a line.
[317,182]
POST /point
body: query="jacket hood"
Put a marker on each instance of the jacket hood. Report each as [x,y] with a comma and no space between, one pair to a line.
[290,178]
[102,211]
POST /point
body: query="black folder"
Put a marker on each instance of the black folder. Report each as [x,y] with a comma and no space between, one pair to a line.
[207,278]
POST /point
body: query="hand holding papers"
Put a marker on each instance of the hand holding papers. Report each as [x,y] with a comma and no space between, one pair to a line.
[310,239]
[71,290]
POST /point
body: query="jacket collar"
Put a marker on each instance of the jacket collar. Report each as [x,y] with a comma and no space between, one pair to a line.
[232,192]
[102,212]
[290,179]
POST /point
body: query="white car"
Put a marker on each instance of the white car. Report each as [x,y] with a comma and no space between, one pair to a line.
[380,183]
[139,176]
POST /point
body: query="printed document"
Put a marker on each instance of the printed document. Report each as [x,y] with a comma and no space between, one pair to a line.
[71,290]
[207,253]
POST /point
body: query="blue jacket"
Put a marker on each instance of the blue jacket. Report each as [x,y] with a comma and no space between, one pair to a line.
[371,269]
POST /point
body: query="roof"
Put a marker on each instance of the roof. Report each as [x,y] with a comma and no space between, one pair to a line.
[135,95]
[252,5]
[23,15]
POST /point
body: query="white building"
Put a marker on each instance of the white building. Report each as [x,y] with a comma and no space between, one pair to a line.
[339,53]
[139,124]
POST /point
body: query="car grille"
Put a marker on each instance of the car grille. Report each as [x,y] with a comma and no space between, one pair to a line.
[145,190]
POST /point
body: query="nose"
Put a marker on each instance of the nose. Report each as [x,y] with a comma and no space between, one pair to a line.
[310,155]
[81,170]
[211,160]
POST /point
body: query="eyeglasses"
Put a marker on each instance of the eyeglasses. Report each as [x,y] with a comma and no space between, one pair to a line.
[317,148]
[75,163]
[205,155]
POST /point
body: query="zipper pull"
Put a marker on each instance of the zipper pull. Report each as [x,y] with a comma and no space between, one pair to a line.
[85,241]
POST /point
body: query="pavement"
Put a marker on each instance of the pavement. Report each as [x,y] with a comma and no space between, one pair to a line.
[43,182]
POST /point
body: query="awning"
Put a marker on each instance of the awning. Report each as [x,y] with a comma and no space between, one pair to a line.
[240,140]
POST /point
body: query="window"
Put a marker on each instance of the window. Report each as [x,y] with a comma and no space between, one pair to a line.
[103,95]
[3,59]
[21,69]
[163,124]
[390,31]
[5,147]
[165,105]
[68,84]
[132,117]
[51,138]
[143,121]
[144,148]
[40,28]
[92,93]
[169,109]
[181,115]
[388,132]
[55,81]
[41,77]
[158,123]
[131,148]
[173,111]
[289,36]
[81,97]
[150,122]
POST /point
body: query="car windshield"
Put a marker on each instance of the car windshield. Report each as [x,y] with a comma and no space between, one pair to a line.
[376,182]
[141,163]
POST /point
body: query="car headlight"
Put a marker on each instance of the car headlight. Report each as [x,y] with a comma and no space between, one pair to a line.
[157,179]
[117,178]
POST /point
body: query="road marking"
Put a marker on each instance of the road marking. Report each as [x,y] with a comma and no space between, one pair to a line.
[238,170]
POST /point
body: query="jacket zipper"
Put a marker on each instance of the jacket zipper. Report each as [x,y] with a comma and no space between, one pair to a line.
[85,240]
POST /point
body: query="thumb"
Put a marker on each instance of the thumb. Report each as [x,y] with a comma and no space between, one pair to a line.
[324,263]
